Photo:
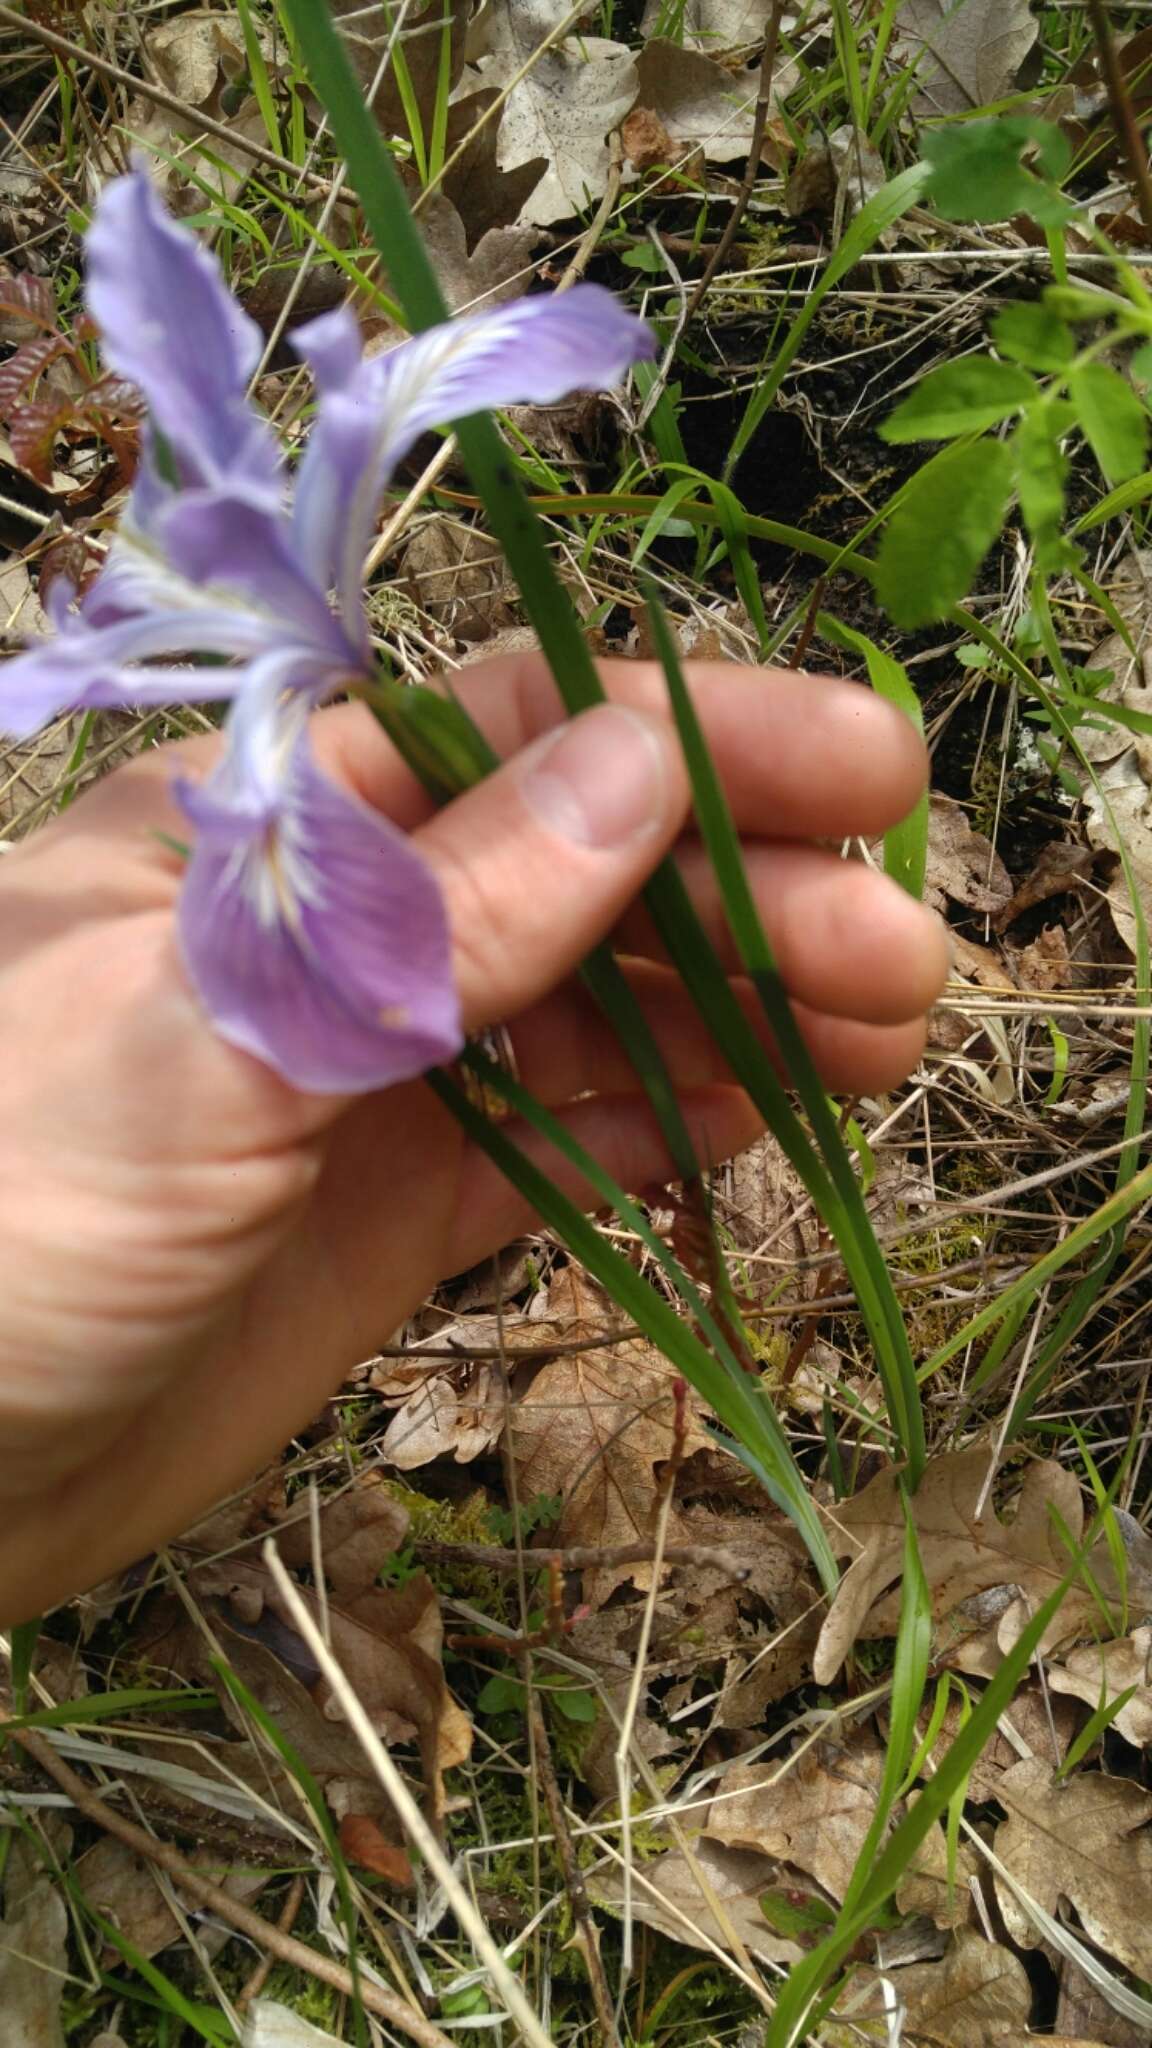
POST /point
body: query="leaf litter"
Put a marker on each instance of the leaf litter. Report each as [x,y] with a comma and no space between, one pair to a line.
[534,142]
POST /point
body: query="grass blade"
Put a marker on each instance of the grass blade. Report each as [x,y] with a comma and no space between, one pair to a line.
[846,1215]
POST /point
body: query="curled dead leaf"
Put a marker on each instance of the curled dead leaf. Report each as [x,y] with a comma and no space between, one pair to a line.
[963,1552]
[1084,1843]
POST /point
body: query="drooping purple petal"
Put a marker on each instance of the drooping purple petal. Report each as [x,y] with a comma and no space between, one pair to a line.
[170,325]
[87,667]
[314,933]
[234,543]
[529,351]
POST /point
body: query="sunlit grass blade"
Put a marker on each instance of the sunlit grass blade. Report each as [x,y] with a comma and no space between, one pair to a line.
[846,1215]
[716,1374]
[808,1979]
[905,844]
[880,212]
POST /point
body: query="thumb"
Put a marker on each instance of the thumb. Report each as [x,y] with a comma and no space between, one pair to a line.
[539,861]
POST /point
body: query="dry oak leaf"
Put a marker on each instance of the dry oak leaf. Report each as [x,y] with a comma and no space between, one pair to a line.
[595,1427]
[962,1554]
[1100,1672]
[715,25]
[33,1950]
[815,1815]
[702,1898]
[963,866]
[1083,1842]
[966,54]
[268,2024]
[701,103]
[977,1996]
[562,105]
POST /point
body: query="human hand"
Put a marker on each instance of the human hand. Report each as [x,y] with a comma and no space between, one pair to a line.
[195,1253]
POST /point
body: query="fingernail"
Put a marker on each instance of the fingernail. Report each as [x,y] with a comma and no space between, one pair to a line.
[601,780]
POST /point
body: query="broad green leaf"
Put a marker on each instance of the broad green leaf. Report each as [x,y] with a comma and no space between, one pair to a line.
[1041,472]
[1034,334]
[1114,422]
[941,530]
[960,398]
[977,173]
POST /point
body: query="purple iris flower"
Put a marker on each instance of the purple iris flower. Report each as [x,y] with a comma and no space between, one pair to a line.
[312,929]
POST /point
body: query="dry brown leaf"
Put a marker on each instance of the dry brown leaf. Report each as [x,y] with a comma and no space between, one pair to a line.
[715,26]
[701,103]
[929,1887]
[459,577]
[497,268]
[195,51]
[360,1529]
[363,1842]
[563,108]
[969,52]
[267,2024]
[33,1949]
[1084,1843]
[127,1890]
[1118,804]
[667,1894]
[1100,1672]
[1083,2009]
[962,866]
[962,1555]
[1029,1725]
[978,1996]
[447,1412]
[595,1427]
[484,195]
[815,1815]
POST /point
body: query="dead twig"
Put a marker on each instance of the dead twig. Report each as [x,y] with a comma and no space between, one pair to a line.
[587,1934]
[589,1557]
[1120,105]
[748,182]
[274,1940]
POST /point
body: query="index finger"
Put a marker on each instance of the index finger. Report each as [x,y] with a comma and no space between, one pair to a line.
[801,757]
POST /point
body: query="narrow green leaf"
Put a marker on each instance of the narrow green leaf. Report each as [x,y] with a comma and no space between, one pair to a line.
[882,211]
[109,1706]
[1033,333]
[24,1638]
[905,844]
[738,1400]
[942,528]
[1114,422]
[960,398]
[845,1214]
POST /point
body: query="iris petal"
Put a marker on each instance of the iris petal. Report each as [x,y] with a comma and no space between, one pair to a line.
[529,351]
[313,931]
[170,325]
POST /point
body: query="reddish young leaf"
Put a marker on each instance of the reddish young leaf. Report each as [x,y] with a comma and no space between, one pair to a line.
[71,559]
[30,297]
[113,395]
[363,1843]
[32,432]
[21,370]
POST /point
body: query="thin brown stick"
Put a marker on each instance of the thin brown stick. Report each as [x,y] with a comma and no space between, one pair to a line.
[63,46]
[587,1935]
[286,1921]
[1120,104]
[385,2004]
[588,1557]
[747,184]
